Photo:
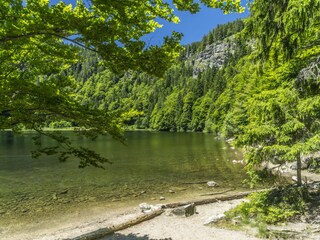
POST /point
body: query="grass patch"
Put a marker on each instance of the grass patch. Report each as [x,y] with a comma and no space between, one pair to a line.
[270,207]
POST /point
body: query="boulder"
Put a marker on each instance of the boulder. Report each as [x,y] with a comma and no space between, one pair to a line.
[162,198]
[293,165]
[295,179]
[187,210]
[145,207]
[214,219]
[212,184]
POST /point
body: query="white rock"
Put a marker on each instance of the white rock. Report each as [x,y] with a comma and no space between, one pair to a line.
[212,184]
[162,198]
[214,219]
[145,207]
[295,179]
[237,161]
[230,140]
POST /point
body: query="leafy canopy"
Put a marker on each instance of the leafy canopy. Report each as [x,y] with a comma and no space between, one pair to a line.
[283,109]
[281,27]
[36,50]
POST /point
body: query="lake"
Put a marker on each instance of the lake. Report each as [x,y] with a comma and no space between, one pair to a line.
[153,164]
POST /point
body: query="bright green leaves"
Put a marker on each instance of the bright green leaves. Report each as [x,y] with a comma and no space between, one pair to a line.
[281,26]
[38,44]
[282,123]
[226,6]
[111,28]
[271,207]
[189,5]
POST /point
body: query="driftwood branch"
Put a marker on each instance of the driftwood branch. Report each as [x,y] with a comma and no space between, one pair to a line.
[110,230]
[138,220]
[209,200]
[141,218]
[217,193]
[216,199]
[202,182]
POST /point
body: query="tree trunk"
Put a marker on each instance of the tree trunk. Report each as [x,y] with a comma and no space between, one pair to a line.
[299,179]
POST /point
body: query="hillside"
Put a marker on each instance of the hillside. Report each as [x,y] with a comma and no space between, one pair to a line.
[220,85]
[183,100]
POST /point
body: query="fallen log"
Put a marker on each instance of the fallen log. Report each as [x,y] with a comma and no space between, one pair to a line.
[138,220]
[212,200]
[110,230]
[141,218]
[202,182]
[94,235]
[216,193]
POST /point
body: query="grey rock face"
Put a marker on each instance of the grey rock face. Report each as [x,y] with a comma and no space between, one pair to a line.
[214,55]
[311,72]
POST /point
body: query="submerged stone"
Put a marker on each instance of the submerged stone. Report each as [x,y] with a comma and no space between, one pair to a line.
[54,196]
[64,191]
[212,184]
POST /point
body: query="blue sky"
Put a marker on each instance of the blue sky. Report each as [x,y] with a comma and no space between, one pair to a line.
[193,26]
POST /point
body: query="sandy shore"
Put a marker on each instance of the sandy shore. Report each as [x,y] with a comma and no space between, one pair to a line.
[88,218]
[183,228]
[162,227]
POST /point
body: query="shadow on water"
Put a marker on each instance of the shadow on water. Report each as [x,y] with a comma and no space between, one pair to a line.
[118,236]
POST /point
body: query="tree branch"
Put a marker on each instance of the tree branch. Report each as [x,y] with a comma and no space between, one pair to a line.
[33,34]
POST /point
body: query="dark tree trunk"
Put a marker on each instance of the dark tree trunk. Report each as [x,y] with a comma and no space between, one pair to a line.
[299,180]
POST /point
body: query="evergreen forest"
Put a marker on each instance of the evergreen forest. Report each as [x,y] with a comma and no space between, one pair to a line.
[254,82]
[219,86]
[186,98]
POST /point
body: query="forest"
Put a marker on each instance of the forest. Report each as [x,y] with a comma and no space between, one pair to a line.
[182,100]
[270,107]
[264,93]
[254,81]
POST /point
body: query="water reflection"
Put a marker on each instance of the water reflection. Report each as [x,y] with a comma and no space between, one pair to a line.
[151,164]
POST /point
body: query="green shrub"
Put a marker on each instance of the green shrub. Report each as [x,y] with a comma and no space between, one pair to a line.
[273,206]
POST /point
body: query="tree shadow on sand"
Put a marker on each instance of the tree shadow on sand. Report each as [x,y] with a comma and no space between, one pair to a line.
[118,236]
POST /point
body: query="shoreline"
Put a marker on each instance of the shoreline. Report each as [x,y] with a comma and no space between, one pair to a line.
[83,219]
[171,227]
[71,129]
[31,216]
